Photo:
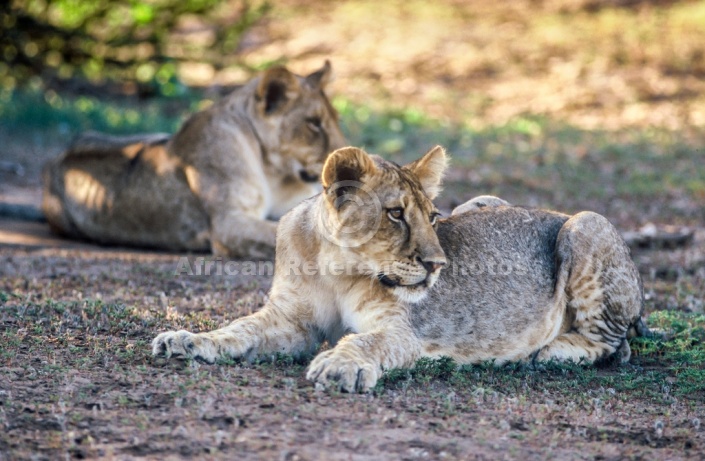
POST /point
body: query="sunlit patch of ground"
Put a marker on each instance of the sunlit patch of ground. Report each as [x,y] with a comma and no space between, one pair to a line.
[592,64]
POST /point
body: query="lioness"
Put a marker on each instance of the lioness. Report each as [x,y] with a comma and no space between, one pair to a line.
[252,156]
[516,284]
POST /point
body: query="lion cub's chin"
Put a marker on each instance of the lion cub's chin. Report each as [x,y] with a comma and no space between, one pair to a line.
[414,293]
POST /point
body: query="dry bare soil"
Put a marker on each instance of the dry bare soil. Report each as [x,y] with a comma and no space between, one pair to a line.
[77,381]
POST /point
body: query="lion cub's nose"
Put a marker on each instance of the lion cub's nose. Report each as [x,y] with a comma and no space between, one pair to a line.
[308,177]
[433,264]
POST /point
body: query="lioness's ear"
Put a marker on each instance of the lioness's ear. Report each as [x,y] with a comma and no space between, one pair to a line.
[320,78]
[277,86]
[430,169]
[346,164]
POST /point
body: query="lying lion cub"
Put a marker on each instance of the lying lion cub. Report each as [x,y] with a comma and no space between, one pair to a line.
[213,185]
[498,283]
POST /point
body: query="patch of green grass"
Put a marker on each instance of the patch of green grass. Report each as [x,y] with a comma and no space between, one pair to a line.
[683,326]
[564,380]
[683,353]
[678,362]
[423,371]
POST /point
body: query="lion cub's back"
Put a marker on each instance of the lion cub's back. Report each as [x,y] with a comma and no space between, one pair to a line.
[499,279]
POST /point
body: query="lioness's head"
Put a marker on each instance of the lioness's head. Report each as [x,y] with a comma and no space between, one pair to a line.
[295,122]
[381,218]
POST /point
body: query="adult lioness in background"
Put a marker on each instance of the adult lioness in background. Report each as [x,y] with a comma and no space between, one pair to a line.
[214,184]
[517,284]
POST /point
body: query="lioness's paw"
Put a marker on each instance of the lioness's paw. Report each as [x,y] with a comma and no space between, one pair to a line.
[333,369]
[182,344]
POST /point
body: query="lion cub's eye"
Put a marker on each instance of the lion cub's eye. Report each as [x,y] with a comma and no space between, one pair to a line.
[434,218]
[395,214]
[314,124]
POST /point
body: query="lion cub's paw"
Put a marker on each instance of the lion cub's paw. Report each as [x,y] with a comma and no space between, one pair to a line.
[183,344]
[341,370]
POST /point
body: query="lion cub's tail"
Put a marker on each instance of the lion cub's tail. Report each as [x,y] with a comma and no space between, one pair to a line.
[639,329]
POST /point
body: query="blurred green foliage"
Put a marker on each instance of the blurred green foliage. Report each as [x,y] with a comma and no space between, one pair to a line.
[26,112]
[138,42]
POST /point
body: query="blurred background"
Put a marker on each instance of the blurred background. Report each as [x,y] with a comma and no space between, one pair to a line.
[569,104]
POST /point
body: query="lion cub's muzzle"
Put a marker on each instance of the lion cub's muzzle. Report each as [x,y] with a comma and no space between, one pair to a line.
[433,264]
[433,268]
[422,274]
[432,258]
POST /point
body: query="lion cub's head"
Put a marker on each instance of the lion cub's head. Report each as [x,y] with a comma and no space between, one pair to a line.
[295,122]
[380,218]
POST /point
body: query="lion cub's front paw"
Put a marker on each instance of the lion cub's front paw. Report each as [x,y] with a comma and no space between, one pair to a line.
[345,371]
[183,344]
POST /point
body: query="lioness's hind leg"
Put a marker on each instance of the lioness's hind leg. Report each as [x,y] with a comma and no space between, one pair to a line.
[601,288]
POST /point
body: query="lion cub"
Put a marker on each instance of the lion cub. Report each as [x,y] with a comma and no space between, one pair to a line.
[368,266]
[213,185]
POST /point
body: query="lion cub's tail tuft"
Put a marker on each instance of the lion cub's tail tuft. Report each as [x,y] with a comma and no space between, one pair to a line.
[639,329]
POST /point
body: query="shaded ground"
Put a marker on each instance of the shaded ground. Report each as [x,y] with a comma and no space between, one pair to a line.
[77,380]
[560,104]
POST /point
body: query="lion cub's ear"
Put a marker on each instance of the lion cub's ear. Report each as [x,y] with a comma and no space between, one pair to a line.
[320,78]
[344,167]
[430,169]
[276,88]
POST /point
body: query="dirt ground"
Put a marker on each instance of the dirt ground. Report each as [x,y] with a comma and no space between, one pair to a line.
[77,380]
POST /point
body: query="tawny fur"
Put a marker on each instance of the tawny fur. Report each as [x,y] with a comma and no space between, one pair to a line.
[498,283]
[216,184]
